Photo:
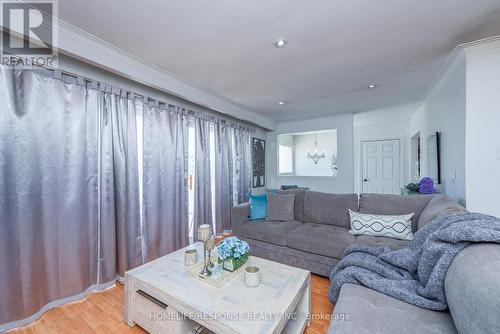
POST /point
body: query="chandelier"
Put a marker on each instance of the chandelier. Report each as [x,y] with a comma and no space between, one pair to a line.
[316,156]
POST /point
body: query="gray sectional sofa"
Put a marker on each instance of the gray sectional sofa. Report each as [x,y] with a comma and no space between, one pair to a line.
[318,236]
[472,287]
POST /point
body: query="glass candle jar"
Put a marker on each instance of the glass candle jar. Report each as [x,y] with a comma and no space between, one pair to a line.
[190,257]
[252,276]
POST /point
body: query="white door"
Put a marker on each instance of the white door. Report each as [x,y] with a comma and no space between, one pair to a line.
[380,173]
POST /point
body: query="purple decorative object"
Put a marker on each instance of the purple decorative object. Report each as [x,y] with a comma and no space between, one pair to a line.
[427,186]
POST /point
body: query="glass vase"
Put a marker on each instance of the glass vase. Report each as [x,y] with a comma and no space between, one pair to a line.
[234,264]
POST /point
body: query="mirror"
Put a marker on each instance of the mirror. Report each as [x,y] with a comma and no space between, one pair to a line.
[434,163]
[312,153]
[415,157]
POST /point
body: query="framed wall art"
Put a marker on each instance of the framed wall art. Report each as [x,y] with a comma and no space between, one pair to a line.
[258,163]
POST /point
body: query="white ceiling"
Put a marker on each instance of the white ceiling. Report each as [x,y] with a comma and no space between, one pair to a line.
[336,47]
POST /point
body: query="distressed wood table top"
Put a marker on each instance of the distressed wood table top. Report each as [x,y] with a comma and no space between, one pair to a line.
[235,308]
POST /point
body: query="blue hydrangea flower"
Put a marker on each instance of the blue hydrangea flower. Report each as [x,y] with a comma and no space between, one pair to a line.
[232,247]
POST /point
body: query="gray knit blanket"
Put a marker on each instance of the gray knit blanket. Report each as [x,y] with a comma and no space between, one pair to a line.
[415,274]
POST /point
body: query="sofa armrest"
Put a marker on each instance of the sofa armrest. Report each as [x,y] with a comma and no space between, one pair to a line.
[239,216]
[438,206]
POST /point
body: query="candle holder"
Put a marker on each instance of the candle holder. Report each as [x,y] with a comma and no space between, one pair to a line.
[209,246]
[204,235]
[252,276]
[190,257]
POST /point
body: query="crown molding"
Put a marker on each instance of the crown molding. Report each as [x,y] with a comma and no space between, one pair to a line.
[481,46]
[88,48]
[81,45]
[464,49]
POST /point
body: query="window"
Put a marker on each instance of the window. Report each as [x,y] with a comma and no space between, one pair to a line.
[285,159]
[312,153]
[415,157]
[139,117]
[191,175]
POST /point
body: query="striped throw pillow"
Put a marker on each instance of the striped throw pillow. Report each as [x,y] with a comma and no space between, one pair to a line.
[391,226]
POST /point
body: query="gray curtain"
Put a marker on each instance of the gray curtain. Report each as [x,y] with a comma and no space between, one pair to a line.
[119,212]
[202,183]
[48,184]
[165,174]
[70,216]
[223,177]
[242,172]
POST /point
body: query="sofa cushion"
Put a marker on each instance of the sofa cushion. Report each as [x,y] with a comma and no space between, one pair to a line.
[258,206]
[239,216]
[326,208]
[370,240]
[322,239]
[438,206]
[472,289]
[394,205]
[371,312]
[391,226]
[316,264]
[280,207]
[299,200]
[274,232]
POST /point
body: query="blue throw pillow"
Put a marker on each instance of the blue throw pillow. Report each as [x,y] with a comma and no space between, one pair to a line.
[258,206]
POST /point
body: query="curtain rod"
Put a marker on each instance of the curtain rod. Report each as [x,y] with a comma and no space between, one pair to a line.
[202,115]
[76,76]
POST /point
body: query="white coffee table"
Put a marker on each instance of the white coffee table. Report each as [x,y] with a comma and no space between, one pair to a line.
[156,294]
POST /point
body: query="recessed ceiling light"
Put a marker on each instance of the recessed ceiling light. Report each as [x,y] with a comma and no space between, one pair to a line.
[280,43]
[281,103]
[371,86]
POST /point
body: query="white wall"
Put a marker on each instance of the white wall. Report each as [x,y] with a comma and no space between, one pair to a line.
[384,124]
[482,143]
[343,183]
[288,140]
[444,111]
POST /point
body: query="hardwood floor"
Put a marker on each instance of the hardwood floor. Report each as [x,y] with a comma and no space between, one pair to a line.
[103,313]
[320,305]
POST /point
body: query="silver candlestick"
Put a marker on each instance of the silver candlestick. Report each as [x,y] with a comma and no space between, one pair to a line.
[209,247]
[204,235]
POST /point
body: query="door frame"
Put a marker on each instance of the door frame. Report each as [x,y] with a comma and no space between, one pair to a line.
[401,165]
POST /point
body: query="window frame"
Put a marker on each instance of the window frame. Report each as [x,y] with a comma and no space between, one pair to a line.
[306,177]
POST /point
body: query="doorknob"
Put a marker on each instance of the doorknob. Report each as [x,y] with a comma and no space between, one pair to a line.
[365,180]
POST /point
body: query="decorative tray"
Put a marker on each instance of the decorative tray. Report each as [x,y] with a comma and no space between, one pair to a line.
[227,276]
